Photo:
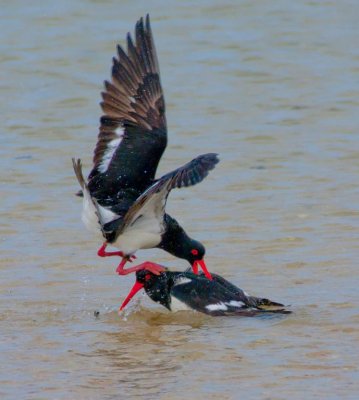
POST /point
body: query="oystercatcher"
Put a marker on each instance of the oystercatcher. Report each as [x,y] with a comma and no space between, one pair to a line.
[186,291]
[121,198]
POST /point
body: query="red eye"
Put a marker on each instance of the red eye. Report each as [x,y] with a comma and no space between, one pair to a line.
[147,277]
[194,252]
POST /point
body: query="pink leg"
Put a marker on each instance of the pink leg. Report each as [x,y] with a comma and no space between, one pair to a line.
[150,266]
[103,253]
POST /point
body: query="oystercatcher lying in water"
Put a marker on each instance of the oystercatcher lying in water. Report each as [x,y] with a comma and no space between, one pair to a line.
[122,199]
[186,291]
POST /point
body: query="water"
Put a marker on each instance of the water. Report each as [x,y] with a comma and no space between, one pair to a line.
[273,88]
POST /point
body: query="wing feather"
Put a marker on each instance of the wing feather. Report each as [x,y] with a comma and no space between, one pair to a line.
[134,110]
[153,200]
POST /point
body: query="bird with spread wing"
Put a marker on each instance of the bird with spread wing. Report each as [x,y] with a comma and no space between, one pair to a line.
[122,199]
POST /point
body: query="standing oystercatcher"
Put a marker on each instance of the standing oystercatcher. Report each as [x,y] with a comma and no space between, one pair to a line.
[122,199]
[179,291]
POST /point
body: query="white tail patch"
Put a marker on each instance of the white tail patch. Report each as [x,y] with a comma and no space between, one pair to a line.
[106,214]
[110,151]
[89,213]
[88,216]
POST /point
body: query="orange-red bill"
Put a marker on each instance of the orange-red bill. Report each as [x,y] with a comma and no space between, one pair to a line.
[203,266]
[136,288]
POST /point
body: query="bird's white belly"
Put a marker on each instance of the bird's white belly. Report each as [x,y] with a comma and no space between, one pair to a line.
[132,240]
[177,305]
[144,233]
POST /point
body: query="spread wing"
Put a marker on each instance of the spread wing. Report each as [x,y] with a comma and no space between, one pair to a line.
[151,204]
[133,132]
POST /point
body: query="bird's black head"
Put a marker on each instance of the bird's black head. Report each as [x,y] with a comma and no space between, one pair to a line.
[195,256]
[157,287]
[195,251]
[176,241]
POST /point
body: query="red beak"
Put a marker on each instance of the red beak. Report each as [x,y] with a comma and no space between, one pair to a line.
[136,288]
[203,266]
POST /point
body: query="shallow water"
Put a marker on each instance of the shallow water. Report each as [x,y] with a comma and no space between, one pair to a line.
[273,88]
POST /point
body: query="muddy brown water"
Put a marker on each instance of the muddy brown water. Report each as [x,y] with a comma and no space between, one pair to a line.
[273,88]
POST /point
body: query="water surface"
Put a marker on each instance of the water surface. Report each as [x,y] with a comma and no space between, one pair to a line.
[273,88]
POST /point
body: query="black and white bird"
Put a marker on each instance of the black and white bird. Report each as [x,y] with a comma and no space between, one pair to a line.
[179,291]
[122,199]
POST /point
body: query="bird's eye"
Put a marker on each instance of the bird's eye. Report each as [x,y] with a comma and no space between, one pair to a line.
[147,277]
[194,252]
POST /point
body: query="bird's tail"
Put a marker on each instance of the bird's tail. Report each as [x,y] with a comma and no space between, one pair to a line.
[78,172]
[267,305]
[91,205]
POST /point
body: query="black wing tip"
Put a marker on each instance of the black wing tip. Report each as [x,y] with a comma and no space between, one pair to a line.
[196,170]
[139,25]
[211,158]
[143,24]
[206,162]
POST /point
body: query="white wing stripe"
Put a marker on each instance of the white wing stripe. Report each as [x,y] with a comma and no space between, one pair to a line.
[110,151]
[235,303]
[217,307]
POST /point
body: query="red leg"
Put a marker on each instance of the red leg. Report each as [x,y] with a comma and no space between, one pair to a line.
[150,266]
[103,253]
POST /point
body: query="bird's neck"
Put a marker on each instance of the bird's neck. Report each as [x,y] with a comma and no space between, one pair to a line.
[174,239]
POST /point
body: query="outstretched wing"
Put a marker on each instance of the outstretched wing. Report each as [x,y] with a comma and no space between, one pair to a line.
[151,204]
[133,132]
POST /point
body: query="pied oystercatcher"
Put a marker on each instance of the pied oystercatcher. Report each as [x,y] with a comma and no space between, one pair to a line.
[179,291]
[122,199]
